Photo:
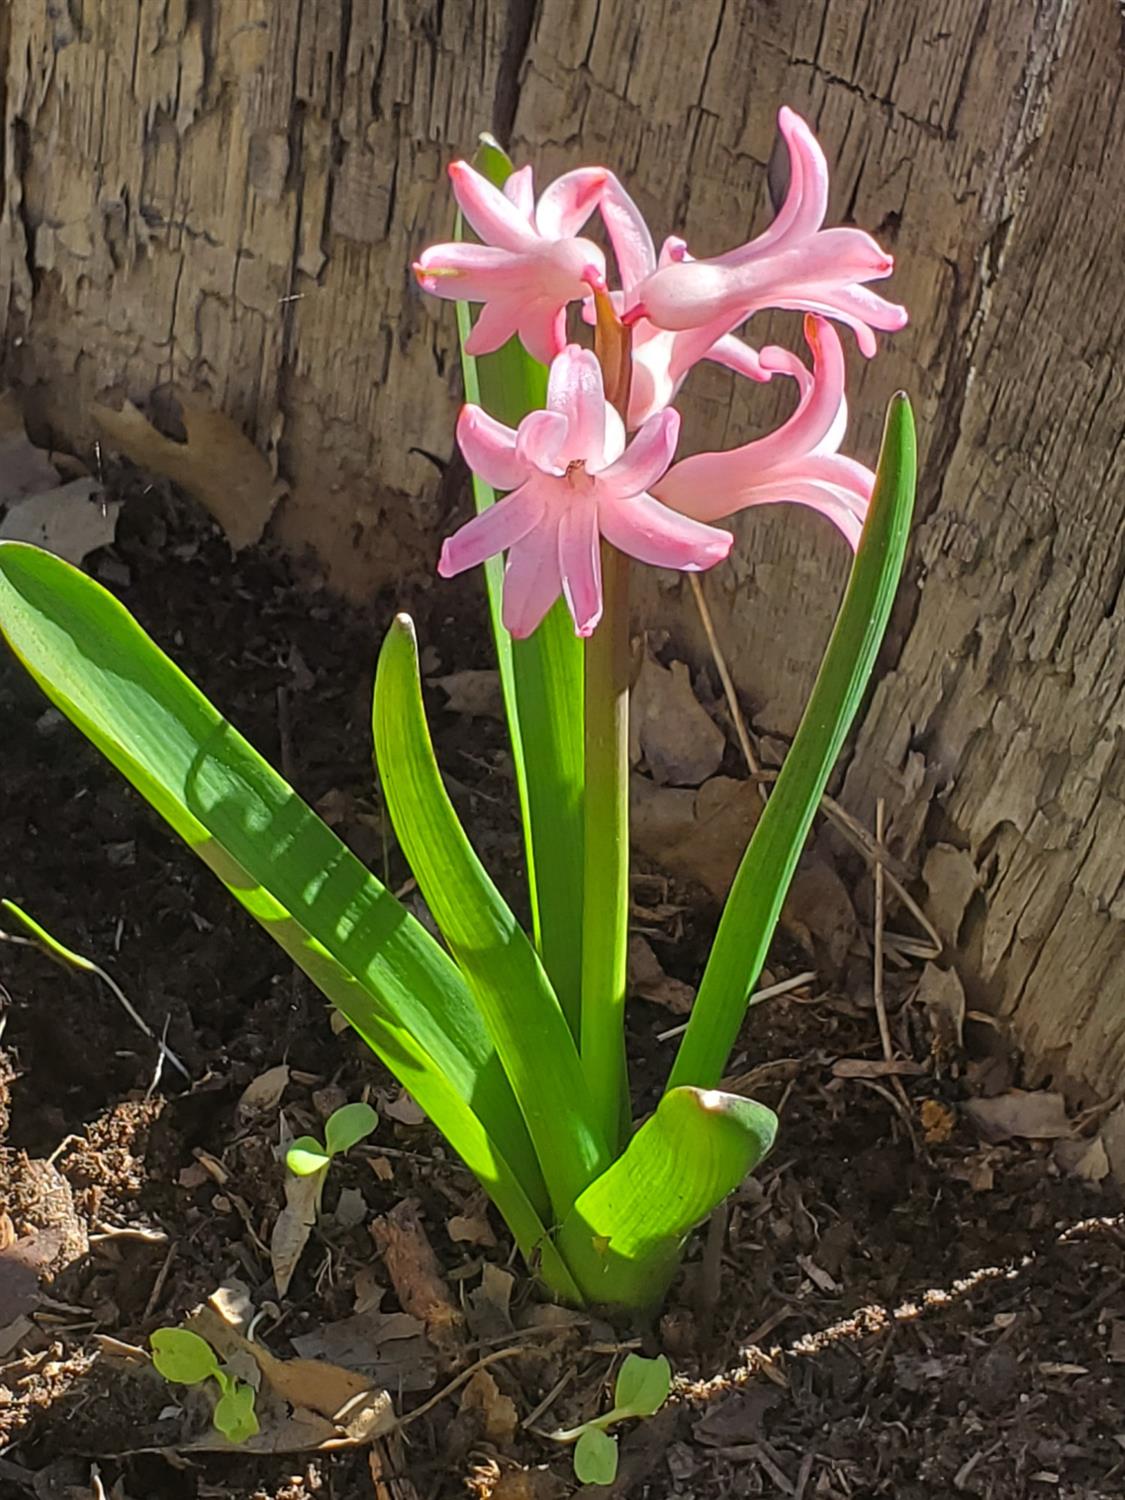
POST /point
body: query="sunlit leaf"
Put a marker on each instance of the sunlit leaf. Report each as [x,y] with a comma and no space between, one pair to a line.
[182,1356]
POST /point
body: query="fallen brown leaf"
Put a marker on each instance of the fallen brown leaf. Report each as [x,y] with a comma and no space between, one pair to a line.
[670,731]
[66,520]
[294,1224]
[943,995]
[390,1349]
[1033,1116]
[262,1095]
[218,465]
[471,1229]
[697,835]
[501,1420]
[648,980]
[475,693]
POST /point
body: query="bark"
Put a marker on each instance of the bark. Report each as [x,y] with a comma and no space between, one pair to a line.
[225,195]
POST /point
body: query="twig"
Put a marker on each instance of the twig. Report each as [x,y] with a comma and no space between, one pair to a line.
[711,1267]
[551,1397]
[771,992]
[459,1380]
[727,681]
[158,1284]
[880,919]
[851,829]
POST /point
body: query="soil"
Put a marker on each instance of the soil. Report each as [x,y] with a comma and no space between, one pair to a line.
[892,1307]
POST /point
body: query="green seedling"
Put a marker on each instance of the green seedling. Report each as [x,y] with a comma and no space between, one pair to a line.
[344,1128]
[183,1358]
[641,1390]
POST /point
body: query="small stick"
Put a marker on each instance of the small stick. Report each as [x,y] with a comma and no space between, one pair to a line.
[727,681]
[880,919]
[839,817]
[158,1284]
[459,1380]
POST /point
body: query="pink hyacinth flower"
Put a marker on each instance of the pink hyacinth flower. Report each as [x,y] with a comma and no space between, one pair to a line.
[794,264]
[572,482]
[531,263]
[661,358]
[798,463]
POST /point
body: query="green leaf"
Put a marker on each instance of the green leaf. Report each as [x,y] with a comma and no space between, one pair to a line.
[515,997]
[182,1356]
[348,1125]
[624,1236]
[306,1155]
[51,945]
[595,1457]
[755,900]
[369,956]
[234,1414]
[642,1386]
[541,678]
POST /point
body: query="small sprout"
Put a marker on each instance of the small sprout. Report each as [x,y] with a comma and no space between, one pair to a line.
[343,1129]
[640,1391]
[183,1358]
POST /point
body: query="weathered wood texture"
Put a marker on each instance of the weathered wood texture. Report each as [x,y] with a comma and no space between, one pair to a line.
[226,195]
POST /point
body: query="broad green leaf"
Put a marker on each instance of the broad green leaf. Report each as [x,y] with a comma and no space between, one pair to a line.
[642,1386]
[595,1457]
[512,990]
[755,900]
[182,1356]
[306,1155]
[623,1239]
[369,956]
[541,679]
[234,1414]
[348,1125]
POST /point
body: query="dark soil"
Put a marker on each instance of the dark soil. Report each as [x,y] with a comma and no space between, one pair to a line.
[892,1309]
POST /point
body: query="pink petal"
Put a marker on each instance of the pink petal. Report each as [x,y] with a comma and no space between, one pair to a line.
[580,563]
[844,510]
[739,357]
[806,202]
[628,234]
[502,525]
[542,329]
[778,361]
[574,388]
[653,534]
[470,273]
[818,414]
[494,217]
[645,459]
[520,191]
[568,202]
[531,579]
[490,449]
[540,437]
[496,323]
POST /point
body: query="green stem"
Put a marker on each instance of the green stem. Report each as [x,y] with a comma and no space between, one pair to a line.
[605,919]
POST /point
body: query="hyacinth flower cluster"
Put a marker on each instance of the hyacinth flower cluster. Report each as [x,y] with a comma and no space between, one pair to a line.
[510,1038]
[575,471]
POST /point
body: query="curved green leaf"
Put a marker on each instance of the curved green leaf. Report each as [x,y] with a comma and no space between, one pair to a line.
[517,1003]
[306,1156]
[369,956]
[642,1386]
[234,1415]
[755,900]
[623,1239]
